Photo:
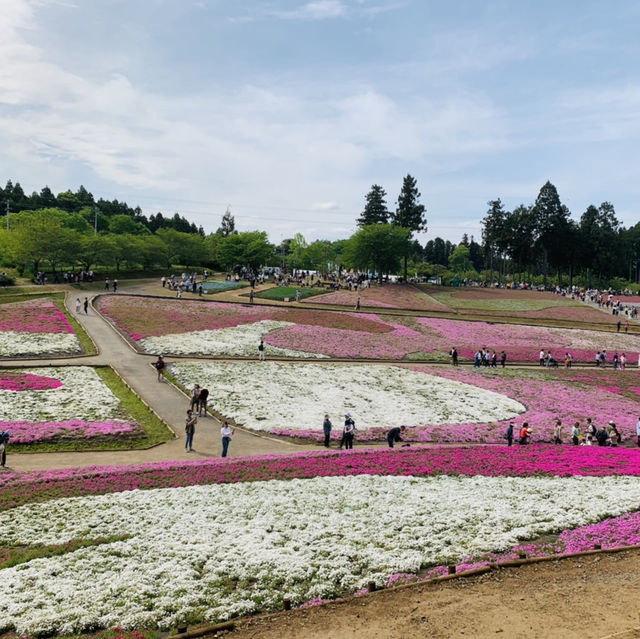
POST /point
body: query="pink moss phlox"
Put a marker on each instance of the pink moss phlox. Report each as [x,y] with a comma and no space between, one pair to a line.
[35,432]
[33,316]
[494,461]
[27,381]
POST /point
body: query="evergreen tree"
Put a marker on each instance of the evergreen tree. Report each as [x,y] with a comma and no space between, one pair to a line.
[409,213]
[375,208]
[552,227]
[228,225]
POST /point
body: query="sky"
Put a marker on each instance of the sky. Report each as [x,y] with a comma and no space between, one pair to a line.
[287,111]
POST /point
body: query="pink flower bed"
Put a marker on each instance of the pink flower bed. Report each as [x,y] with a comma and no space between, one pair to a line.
[545,397]
[584,314]
[347,298]
[521,342]
[27,381]
[34,316]
[349,343]
[388,295]
[73,429]
[492,461]
[146,317]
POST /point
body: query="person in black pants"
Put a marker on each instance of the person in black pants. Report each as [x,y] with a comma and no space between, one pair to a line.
[394,435]
[326,427]
[348,432]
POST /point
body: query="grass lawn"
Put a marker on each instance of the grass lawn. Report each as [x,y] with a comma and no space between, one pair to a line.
[280,292]
[156,430]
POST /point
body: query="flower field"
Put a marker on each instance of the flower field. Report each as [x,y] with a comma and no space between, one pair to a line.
[233,330]
[35,327]
[61,404]
[523,343]
[296,396]
[387,296]
[240,542]
[436,404]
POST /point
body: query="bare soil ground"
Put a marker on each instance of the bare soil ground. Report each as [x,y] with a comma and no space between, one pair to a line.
[592,597]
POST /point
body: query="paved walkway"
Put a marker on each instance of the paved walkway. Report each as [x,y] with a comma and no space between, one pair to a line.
[165,399]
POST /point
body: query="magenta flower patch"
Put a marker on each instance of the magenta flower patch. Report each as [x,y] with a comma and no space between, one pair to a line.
[27,381]
[33,316]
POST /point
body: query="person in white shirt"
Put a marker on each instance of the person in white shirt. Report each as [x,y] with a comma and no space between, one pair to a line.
[227,432]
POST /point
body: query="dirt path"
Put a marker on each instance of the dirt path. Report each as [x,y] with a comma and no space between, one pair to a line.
[594,597]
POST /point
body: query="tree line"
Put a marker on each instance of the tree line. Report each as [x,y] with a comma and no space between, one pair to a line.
[534,243]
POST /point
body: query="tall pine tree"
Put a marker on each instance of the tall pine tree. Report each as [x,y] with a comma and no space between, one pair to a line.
[409,213]
[375,208]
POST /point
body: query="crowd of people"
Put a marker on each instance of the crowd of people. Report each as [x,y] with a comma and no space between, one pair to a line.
[587,434]
[186,283]
[482,357]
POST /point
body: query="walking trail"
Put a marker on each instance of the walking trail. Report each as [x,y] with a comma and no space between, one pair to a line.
[169,403]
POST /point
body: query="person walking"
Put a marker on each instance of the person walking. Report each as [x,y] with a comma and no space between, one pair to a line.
[202,404]
[227,432]
[509,435]
[261,350]
[86,306]
[454,358]
[115,286]
[638,431]
[251,296]
[189,429]
[78,306]
[106,284]
[348,432]
[160,367]
[503,359]
[394,435]
[195,397]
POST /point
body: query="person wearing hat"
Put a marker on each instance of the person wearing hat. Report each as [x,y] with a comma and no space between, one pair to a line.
[614,434]
[348,432]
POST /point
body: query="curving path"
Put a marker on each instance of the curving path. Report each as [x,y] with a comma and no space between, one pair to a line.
[165,399]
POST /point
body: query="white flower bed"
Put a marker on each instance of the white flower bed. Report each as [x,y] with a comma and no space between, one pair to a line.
[83,395]
[13,344]
[214,552]
[237,341]
[296,396]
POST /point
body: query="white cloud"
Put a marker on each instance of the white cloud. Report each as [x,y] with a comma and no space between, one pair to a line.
[316,10]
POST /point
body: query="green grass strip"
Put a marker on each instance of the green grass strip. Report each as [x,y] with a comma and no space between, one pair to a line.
[280,292]
[14,556]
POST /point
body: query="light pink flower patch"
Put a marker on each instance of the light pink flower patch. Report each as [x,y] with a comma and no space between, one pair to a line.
[27,381]
[348,343]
